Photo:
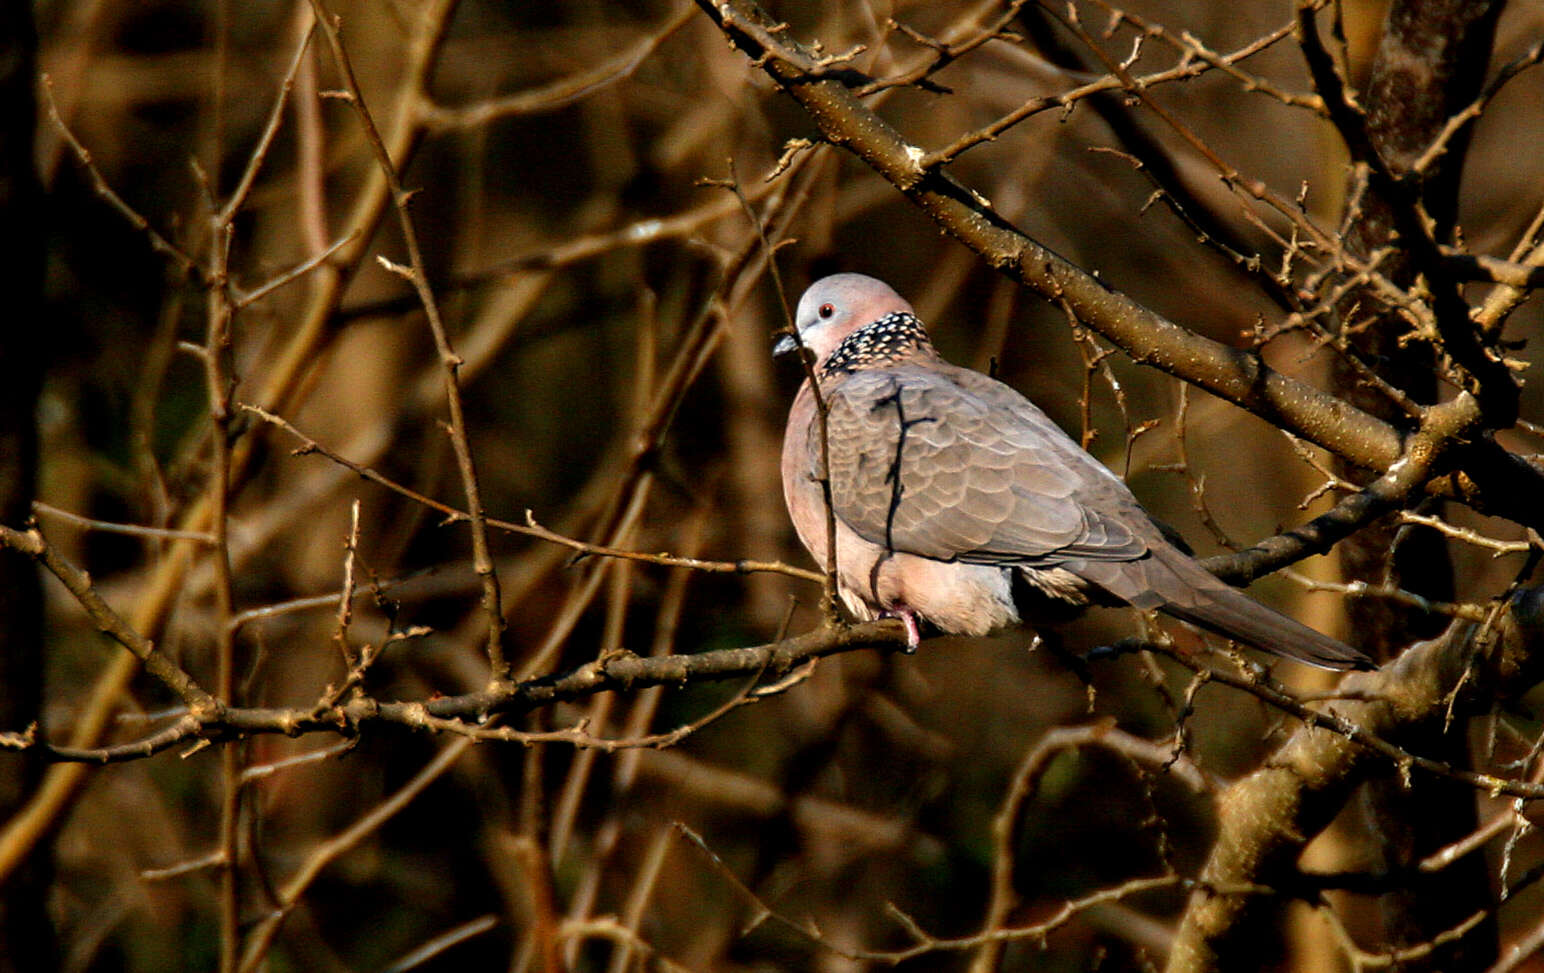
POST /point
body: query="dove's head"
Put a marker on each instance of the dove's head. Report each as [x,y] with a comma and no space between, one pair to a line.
[836,306]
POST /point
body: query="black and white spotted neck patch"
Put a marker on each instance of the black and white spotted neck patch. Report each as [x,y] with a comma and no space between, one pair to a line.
[890,339]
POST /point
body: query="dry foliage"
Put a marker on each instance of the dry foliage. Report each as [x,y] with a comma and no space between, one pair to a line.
[407,487]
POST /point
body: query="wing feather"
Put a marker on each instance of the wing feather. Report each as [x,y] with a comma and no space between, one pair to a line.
[922,464]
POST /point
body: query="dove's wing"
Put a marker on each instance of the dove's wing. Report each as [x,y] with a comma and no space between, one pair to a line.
[922,465]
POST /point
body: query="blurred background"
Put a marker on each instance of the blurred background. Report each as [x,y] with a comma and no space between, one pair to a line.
[567,164]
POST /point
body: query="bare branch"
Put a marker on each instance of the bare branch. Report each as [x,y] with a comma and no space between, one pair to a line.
[482,559]
[463,715]
[1268,816]
[201,705]
[560,93]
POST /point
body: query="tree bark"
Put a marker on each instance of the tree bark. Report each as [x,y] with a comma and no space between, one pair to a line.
[1431,62]
[1266,819]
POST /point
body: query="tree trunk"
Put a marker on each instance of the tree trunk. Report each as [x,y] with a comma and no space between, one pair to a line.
[1430,63]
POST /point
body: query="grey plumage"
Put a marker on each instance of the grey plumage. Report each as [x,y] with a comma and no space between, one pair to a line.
[948,485]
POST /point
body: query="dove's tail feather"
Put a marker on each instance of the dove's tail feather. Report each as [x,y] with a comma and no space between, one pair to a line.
[1239,617]
[1214,606]
[1176,585]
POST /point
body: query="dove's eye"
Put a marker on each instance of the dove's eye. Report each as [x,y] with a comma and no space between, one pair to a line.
[826,310]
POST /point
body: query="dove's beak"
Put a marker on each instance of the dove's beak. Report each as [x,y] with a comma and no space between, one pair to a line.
[785,344]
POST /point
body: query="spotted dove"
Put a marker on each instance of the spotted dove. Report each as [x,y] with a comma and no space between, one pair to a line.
[958,502]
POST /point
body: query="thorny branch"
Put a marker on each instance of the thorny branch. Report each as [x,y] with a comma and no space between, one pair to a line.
[1404,477]
[1491,478]
[464,714]
[622,671]
[1467,670]
[922,942]
[1449,453]
[415,273]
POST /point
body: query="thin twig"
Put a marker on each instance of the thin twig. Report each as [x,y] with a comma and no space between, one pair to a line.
[414,272]
[33,544]
[111,527]
[185,264]
[261,938]
[531,528]
[562,92]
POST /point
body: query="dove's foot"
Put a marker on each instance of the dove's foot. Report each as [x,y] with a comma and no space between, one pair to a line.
[913,629]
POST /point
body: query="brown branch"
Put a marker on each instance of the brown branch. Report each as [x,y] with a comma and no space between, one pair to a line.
[1402,189]
[421,955]
[619,672]
[261,938]
[1501,302]
[1184,71]
[1456,128]
[1403,957]
[922,942]
[1493,480]
[1493,270]
[1468,611]
[945,53]
[280,387]
[1442,427]
[1026,780]
[556,94]
[577,930]
[111,527]
[1235,179]
[158,243]
[414,272]
[693,350]
[244,298]
[531,528]
[1269,816]
[1189,46]
[200,704]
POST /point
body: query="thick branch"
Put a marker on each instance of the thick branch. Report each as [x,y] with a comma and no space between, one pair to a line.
[1268,817]
[1238,376]
[619,672]
[1441,427]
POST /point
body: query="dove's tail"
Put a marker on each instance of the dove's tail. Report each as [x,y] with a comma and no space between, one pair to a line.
[1172,582]
[1214,606]
[1236,616]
